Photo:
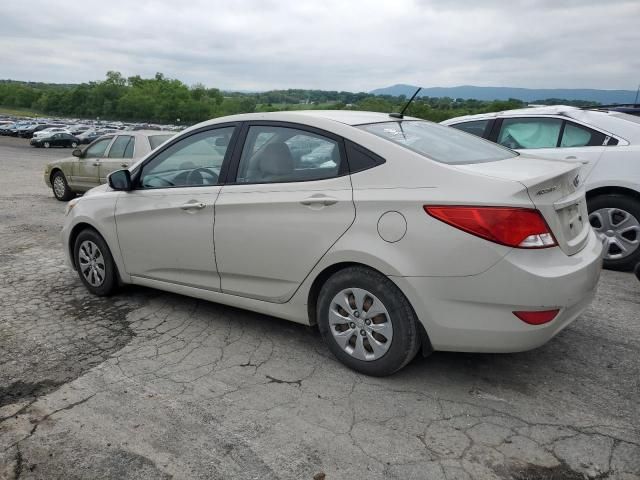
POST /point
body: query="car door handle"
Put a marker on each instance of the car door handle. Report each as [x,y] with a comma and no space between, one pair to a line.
[319,200]
[124,165]
[96,164]
[570,157]
[193,206]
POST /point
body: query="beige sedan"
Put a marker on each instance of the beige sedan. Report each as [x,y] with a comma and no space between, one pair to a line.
[89,167]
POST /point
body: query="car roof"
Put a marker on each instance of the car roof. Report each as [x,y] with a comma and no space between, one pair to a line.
[347,117]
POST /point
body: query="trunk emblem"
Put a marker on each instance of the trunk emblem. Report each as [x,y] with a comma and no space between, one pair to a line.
[547,190]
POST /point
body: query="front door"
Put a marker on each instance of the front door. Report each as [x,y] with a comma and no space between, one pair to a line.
[291,201]
[86,170]
[165,225]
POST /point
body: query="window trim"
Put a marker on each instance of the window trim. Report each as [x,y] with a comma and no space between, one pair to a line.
[137,171]
[232,178]
[125,146]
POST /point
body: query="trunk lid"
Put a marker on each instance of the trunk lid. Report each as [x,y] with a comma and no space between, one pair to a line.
[556,190]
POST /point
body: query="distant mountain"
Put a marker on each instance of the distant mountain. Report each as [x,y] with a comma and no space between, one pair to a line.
[504,93]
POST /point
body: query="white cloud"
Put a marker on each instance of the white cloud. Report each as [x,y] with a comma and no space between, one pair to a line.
[329,44]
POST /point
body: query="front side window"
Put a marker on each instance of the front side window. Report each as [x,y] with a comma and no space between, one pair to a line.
[98,148]
[477,127]
[282,154]
[119,146]
[439,143]
[193,161]
[524,133]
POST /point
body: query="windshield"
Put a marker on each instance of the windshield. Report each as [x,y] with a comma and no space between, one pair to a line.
[439,143]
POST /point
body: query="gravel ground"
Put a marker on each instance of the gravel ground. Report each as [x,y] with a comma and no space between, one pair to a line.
[148,385]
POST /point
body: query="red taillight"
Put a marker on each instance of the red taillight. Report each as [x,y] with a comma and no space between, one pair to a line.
[514,227]
[537,317]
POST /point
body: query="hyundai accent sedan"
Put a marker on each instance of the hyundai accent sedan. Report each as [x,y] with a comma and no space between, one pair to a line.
[393,235]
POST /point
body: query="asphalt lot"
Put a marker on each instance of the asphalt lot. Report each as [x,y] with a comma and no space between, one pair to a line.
[148,385]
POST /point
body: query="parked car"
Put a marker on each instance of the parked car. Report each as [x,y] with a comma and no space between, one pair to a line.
[405,235]
[90,135]
[629,108]
[90,167]
[33,129]
[608,145]
[7,128]
[59,139]
[46,132]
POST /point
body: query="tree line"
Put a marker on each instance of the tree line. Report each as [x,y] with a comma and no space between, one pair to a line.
[164,100]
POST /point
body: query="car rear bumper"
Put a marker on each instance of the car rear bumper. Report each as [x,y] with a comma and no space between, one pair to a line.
[475,313]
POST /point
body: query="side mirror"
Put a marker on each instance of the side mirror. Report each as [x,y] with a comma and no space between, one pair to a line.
[120,180]
[77,152]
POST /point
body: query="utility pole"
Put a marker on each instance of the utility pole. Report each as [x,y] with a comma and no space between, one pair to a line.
[637,92]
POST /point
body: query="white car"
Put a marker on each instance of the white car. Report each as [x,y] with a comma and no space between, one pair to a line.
[50,131]
[404,235]
[606,142]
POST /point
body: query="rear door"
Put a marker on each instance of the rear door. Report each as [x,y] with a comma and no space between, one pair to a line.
[289,200]
[554,138]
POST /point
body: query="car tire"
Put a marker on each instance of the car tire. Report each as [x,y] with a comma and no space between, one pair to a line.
[348,336]
[46,144]
[94,263]
[616,220]
[60,187]
[74,144]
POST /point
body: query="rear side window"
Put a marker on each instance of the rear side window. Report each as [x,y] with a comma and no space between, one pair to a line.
[439,143]
[575,135]
[98,148]
[478,127]
[155,140]
[525,133]
[273,154]
[119,146]
[360,158]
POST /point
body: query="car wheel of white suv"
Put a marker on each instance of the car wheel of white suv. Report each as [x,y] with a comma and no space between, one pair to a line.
[367,322]
[616,220]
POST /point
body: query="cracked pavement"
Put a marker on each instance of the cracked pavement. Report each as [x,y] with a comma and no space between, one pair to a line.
[147,385]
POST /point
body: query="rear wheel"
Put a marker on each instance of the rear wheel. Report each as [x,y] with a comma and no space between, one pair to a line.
[74,144]
[367,322]
[94,263]
[60,187]
[47,144]
[616,220]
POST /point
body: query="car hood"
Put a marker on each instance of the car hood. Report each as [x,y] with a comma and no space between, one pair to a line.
[97,190]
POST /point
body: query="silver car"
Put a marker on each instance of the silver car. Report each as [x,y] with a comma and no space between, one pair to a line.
[89,167]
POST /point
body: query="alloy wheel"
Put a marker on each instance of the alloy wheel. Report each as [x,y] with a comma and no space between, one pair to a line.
[59,188]
[619,231]
[360,324]
[91,263]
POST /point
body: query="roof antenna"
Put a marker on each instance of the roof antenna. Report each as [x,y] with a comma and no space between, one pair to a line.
[401,114]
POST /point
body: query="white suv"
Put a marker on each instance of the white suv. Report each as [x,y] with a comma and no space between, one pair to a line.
[606,142]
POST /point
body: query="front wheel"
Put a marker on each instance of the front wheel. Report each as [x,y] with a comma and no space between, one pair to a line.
[60,187]
[74,144]
[47,145]
[616,220]
[94,263]
[367,322]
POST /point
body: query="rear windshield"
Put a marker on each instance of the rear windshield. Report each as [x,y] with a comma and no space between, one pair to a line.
[439,143]
[155,140]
